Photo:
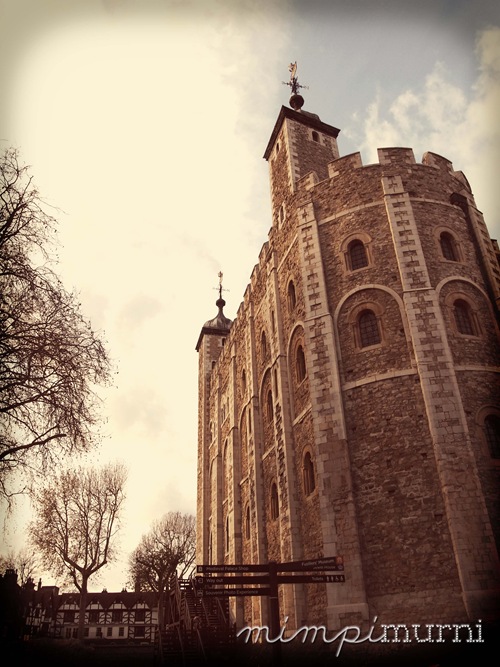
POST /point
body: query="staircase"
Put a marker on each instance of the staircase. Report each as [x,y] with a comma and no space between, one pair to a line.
[197,629]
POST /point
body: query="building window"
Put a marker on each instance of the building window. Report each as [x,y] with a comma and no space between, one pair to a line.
[275,510]
[448,247]
[98,632]
[68,633]
[227,534]
[281,214]
[492,432]
[308,473]
[247,523]
[315,136]
[464,318]
[140,631]
[291,297]
[243,381]
[117,616]
[140,615]
[300,361]
[270,408]
[109,632]
[121,632]
[263,344]
[85,632]
[94,616]
[369,332]
[357,256]
[69,617]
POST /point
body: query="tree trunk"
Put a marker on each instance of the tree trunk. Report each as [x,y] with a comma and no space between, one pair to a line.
[161,610]
[83,607]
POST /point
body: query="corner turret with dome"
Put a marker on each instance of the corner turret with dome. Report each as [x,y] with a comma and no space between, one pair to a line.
[219,325]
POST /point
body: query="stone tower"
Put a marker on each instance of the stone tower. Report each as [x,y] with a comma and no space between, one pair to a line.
[352,407]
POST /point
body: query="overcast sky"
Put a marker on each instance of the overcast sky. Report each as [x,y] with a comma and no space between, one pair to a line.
[145,124]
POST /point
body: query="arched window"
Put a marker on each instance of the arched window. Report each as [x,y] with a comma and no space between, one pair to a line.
[300,361]
[308,474]
[263,344]
[464,318]
[369,332]
[356,253]
[275,508]
[247,523]
[291,297]
[448,246]
[492,432]
[315,136]
[270,408]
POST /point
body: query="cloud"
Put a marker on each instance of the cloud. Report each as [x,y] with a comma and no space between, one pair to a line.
[137,311]
[442,117]
[140,411]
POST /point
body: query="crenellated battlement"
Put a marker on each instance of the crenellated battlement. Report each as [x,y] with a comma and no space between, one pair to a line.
[391,160]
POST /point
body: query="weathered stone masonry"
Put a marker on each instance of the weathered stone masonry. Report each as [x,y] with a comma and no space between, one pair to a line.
[351,406]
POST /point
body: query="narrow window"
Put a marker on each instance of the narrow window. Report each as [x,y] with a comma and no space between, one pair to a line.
[273,321]
[227,534]
[356,252]
[109,632]
[243,381]
[121,632]
[98,632]
[300,364]
[270,408]
[492,430]
[448,246]
[463,317]
[247,523]
[263,345]
[308,472]
[275,510]
[140,615]
[315,136]
[291,298]
[369,333]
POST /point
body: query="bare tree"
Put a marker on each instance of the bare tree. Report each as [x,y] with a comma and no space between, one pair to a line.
[169,547]
[24,562]
[50,358]
[77,516]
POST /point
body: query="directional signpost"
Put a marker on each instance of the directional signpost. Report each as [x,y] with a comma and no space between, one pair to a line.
[235,580]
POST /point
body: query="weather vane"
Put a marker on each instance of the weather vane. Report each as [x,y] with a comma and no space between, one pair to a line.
[220,288]
[296,100]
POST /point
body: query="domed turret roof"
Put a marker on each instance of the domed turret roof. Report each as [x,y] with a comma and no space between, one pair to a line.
[220,321]
[220,325]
